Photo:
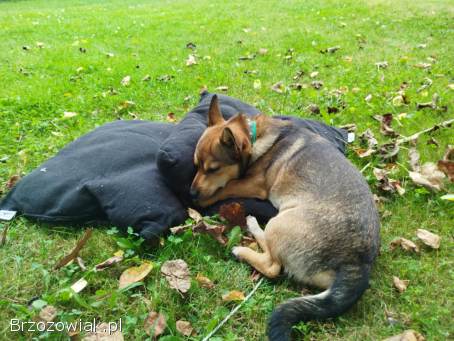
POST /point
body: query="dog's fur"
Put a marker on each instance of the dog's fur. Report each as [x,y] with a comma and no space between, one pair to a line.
[327,231]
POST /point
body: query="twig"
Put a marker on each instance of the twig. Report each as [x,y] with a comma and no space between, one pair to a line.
[206,338]
[3,238]
[416,135]
[75,252]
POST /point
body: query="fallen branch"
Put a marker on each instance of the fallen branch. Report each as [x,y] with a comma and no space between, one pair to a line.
[416,135]
[206,338]
[75,252]
[5,231]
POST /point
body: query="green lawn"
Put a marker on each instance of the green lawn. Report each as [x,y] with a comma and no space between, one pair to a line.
[70,56]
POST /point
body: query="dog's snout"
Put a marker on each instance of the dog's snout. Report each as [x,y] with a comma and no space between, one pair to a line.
[194,193]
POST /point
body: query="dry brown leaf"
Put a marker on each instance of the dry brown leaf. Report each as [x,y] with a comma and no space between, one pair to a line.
[389,151]
[234,213]
[134,274]
[400,284]
[446,165]
[278,87]
[104,333]
[69,114]
[12,181]
[195,215]
[204,282]
[429,238]
[48,313]
[429,176]
[184,327]
[408,335]
[155,324]
[317,84]
[263,51]
[330,49]
[126,81]
[75,252]
[233,295]
[387,184]
[381,65]
[405,244]
[171,117]
[216,231]
[117,258]
[385,124]
[179,229]
[177,274]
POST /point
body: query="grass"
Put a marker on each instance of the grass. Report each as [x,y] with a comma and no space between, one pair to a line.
[149,38]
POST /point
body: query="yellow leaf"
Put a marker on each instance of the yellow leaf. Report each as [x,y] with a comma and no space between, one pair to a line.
[134,274]
[233,295]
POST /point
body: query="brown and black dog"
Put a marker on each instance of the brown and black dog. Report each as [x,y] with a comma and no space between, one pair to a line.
[326,233]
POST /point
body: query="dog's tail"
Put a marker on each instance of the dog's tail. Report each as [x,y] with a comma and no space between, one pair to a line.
[349,284]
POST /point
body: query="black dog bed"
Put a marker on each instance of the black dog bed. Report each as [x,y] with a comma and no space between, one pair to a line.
[133,173]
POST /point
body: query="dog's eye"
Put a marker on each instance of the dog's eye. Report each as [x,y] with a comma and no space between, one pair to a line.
[213,169]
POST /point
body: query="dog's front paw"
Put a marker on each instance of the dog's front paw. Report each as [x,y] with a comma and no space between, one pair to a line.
[252,225]
[236,252]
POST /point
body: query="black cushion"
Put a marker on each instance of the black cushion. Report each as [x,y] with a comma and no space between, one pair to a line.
[108,174]
[132,173]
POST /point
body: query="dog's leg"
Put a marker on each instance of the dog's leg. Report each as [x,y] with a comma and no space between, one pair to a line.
[240,188]
[262,262]
[254,228]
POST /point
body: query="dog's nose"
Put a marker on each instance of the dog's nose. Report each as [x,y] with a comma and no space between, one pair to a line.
[194,193]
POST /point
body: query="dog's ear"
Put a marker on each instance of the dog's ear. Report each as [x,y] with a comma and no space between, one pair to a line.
[214,113]
[236,147]
[227,138]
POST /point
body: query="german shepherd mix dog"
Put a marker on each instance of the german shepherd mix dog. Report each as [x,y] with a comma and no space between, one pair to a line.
[326,233]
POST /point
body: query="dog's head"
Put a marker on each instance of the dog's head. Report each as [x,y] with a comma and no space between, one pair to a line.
[222,153]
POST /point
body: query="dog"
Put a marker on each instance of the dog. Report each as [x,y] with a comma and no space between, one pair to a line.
[326,234]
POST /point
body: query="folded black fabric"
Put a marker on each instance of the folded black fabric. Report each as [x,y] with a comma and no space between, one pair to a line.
[133,173]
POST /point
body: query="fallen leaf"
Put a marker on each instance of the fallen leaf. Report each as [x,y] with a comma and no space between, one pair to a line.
[408,335]
[424,66]
[184,327]
[222,88]
[134,274]
[278,87]
[446,165]
[69,114]
[204,282]
[330,49]
[146,78]
[313,74]
[109,55]
[179,229]
[81,263]
[195,215]
[247,57]
[234,213]
[381,65]
[171,117]
[191,60]
[317,84]
[12,181]
[126,81]
[234,295]
[216,231]
[79,285]
[449,197]
[385,124]
[313,109]
[104,332]
[389,151]
[429,176]
[385,183]
[177,274]
[165,78]
[298,75]
[155,324]
[429,238]
[405,244]
[263,51]
[117,258]
[414,156]
[400,284]
[426,84]
[257,84]
[48,313]
[75,252]
[191,46]
[368,98]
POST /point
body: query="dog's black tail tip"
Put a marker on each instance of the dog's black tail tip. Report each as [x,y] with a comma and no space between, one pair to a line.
[349,285]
